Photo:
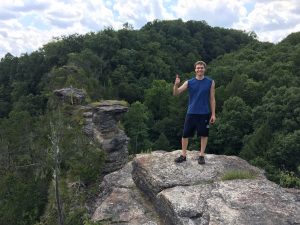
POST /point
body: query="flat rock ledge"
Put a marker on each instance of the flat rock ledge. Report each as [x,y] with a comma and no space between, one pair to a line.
[189,193]
[154,190]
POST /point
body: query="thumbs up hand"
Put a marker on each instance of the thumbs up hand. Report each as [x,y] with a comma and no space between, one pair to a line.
[177,80]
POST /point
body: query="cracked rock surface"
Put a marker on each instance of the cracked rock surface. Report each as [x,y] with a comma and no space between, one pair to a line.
[153,189]
[189,193]
[121,202]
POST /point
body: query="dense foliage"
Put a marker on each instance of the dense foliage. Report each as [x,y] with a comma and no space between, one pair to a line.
[257,93]
[259,107]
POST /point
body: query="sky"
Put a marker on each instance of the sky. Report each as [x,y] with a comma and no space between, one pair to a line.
[26,25]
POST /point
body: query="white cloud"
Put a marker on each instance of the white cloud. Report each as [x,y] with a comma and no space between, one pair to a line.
[271,20]
[5,14]
[139,12]
[216,13]
[26,5]
[63,15]
[18,40]
[28,31]
[25,25]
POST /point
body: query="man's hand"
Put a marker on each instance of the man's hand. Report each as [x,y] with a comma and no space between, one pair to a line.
[177,80]
[212,119]
[176,89]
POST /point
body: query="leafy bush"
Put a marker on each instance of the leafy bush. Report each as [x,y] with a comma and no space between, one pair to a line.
[289,179]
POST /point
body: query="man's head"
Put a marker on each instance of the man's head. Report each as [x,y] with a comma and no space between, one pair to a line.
[200,67]
[200,63]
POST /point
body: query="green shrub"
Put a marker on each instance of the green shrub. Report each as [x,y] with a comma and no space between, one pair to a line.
[289,180]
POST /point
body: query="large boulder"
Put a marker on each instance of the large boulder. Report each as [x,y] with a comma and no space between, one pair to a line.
[121,202]
[193,194]
[190,193]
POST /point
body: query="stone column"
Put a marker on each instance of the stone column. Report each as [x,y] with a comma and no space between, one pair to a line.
[102,125]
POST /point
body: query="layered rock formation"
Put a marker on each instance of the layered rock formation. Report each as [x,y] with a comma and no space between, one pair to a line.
[101,124]
[121,202]
[70,95]
[190,193]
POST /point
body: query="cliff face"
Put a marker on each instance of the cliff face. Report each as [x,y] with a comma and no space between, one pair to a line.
[102,126]
[152,189]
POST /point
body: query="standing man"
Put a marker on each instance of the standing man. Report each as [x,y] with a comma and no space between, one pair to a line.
[201,109]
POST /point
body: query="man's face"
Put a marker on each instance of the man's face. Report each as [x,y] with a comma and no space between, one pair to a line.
[200,69]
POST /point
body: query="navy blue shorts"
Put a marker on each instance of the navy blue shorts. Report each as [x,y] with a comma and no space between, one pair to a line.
[196,122]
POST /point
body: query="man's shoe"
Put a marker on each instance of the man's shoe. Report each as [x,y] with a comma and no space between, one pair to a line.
[201,160]
[180,159]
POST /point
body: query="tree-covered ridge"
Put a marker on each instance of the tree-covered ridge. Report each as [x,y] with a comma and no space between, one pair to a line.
[259,100]
[114,64]
[257,93]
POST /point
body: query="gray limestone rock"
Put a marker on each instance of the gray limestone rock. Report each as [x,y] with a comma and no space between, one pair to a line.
[101,125]
[70,95]
[120,202]
[157,171]
[190,194]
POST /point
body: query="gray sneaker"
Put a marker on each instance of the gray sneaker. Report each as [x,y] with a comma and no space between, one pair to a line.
[201,160]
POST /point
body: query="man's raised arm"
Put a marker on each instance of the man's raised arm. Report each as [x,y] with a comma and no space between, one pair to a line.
[178,90]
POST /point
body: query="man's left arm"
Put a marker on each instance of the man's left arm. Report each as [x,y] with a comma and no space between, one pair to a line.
[212,103]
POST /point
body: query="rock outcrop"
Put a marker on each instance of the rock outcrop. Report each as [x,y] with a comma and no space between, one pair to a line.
[121,202]
[153,190]
[101,125]
[70,95]
[190,194]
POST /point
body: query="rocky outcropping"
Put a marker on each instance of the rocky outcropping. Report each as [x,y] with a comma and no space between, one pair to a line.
[121,202]
[70,95]
[101,125]
[190,194]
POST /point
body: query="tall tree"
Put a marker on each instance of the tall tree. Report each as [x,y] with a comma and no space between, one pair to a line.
[135,123]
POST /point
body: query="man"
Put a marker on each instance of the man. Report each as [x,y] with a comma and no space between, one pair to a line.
[201,109]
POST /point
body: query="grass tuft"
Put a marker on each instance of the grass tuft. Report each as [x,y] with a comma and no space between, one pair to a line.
[238,174]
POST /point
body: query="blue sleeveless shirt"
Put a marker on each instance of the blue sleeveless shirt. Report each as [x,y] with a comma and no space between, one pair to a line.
[199,95]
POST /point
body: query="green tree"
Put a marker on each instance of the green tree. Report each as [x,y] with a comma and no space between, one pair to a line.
[24,175]
[285,151]
[232,125]
[248,89]
[157,98]
[75,165]
[135,123]
[257,143]
[281,108]
[162,143]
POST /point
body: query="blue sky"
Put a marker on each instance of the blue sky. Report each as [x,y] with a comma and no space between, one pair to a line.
[25,25]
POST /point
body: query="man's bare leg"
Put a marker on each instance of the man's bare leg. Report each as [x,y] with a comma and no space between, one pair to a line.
[184,144]
[203,143]
[182,157]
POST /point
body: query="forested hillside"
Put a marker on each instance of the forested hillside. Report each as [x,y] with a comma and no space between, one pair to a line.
[257,93]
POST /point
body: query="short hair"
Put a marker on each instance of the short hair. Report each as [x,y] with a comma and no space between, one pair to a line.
[200,63]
